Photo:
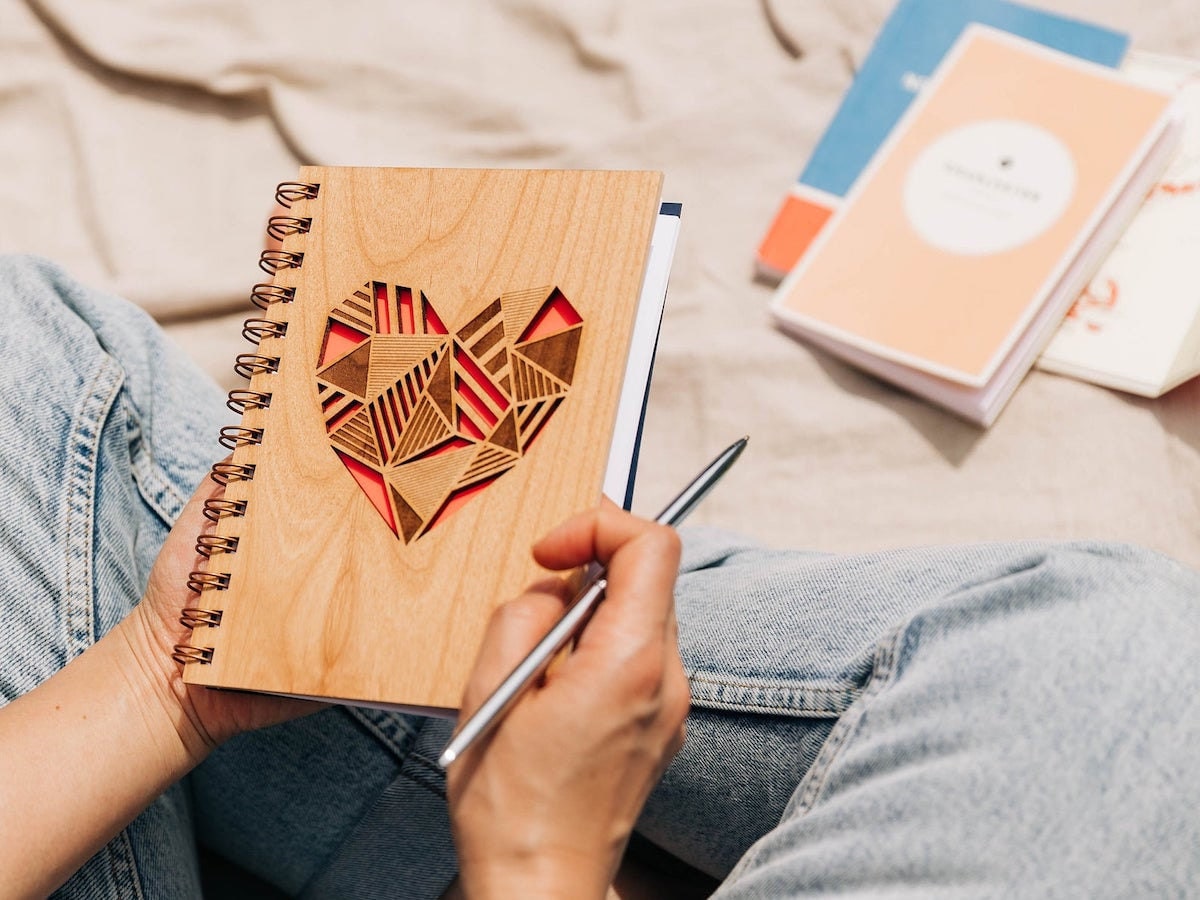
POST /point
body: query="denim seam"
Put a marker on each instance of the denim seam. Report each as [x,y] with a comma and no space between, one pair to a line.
[420,770]
[83,450]
[781,709]
[886,656]
[417,765]
[768,685]
[154,484]
[122,864]
[367,718]
[78,603]
[772,697]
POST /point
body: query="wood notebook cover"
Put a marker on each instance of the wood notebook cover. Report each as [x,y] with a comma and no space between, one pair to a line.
[970,213]
[446,392]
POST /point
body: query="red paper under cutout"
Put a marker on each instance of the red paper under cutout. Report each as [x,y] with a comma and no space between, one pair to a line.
[339,340]
[427,418]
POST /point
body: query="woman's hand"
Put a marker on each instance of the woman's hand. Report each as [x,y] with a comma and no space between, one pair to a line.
[203,717]
[544,804]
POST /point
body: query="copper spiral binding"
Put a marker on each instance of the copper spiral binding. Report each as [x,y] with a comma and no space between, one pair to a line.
[289,192]
[233,437]
[263,295]
[208,544]
[194,617]
[254,330]
[186,653]
[241,400]
[250,364]
[272,261]
[224,472]
[207,581]
[280,227]
[218,508]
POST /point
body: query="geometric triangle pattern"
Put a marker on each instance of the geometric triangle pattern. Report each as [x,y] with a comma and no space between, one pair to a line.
[425,417]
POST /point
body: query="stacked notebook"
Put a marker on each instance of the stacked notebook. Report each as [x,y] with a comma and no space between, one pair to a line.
[962,244]
[1136,326]
[449,363]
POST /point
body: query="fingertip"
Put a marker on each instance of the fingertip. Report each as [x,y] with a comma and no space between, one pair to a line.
[664,543]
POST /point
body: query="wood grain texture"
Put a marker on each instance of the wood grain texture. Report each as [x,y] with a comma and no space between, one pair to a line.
[324,599]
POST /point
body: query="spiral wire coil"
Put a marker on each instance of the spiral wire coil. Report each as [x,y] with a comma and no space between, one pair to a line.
[233,437]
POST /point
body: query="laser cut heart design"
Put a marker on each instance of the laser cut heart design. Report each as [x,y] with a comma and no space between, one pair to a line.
[425,419]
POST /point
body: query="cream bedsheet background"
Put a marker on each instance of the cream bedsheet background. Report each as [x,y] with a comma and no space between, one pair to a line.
[142,139]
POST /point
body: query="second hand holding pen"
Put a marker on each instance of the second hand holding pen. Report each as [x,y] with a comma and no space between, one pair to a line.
[595,585]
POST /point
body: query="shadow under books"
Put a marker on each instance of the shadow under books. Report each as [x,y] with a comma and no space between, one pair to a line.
[1177,411]
[951,437]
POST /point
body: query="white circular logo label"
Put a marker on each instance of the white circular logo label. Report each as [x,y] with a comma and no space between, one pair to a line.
[989,187]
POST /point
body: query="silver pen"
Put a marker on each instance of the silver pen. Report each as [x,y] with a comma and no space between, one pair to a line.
[539,657]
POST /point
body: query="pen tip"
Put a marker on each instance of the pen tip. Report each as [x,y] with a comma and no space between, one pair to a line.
[446,758]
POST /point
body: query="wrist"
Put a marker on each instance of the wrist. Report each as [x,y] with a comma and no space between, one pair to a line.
[534,876]
[85,752]
[501,884]
[158,681]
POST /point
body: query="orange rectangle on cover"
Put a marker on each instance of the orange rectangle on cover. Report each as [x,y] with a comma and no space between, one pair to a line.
[974,209]
[796,225]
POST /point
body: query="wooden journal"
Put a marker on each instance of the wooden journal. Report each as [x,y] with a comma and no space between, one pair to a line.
[438,379]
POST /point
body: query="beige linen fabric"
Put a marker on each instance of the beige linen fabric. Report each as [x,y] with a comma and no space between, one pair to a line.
[140,141]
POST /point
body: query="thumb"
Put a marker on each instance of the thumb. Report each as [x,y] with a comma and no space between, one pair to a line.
[513,630]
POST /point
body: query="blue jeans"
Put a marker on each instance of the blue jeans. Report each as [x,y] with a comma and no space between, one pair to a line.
[977,721]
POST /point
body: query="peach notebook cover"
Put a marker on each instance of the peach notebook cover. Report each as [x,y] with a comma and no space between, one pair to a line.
[972,212]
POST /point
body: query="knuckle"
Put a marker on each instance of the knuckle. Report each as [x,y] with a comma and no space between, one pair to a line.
[645,679]
[665,538]
[524,610]
[643,674]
